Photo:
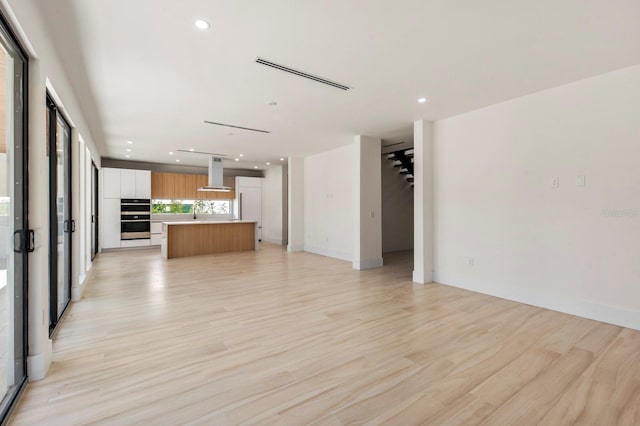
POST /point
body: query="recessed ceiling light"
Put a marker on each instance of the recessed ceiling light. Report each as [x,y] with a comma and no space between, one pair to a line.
[130,142]
[191,149]
[282,159]
[128,150]
[237,159]
[177,161]
[268,164]
[127,156]
[170,153]
[422,100]
[255,167]
[230,134]
[202,24]
[241,155]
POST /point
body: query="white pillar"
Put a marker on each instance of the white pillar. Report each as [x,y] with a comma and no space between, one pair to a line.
[40,346]
[296,204]
[423,202]
[77,200]
[367,252]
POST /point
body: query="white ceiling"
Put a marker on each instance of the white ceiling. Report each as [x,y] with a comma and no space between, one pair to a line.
[145,73]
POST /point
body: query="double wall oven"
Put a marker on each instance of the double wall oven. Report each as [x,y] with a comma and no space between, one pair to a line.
[135,219]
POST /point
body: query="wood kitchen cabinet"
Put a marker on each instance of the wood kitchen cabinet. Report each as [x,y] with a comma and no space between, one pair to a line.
[179,186]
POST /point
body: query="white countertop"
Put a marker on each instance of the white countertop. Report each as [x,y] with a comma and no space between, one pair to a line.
[207,222]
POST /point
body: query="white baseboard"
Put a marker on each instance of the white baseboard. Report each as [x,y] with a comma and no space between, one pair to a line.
[419,278]
[330,253]
[367,263]
[294,247]
[272,241]
[38,365]
[76,293]
[581,308]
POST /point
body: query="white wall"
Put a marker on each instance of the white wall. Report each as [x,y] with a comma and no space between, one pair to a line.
[573,249]
[397,209]
[272,205]
[328,203]
[46,71]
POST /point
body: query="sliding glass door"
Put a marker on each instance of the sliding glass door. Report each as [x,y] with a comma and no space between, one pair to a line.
[61,224]
[94,210]
[15,240]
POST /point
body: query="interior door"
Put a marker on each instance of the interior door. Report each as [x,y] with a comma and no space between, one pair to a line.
[60,221]
[15,238]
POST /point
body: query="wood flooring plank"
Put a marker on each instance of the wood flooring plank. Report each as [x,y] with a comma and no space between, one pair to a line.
[279,338]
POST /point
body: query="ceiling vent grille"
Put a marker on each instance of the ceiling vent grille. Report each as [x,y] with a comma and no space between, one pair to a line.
[236,127]
[263,61]
[191,151]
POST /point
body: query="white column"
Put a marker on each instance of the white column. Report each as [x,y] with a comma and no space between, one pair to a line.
[88,190]
[77,200]
[367,250]
[296,204]
[423,202]
[40,346]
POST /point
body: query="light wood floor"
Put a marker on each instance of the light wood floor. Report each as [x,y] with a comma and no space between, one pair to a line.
[274,338]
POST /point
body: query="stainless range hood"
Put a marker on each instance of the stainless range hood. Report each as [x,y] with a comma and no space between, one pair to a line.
[215,183]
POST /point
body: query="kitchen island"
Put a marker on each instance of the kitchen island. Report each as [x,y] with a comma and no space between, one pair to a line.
[197,238]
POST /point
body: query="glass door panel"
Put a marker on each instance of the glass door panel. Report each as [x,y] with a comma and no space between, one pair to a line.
[63,213]
[60,222]
[14,238]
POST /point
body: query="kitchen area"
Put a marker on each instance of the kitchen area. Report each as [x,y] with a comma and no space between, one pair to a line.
[183,212]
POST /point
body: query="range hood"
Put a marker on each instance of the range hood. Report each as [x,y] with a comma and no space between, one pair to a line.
[215,182]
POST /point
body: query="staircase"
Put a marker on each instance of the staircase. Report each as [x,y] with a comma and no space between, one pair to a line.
[403,160]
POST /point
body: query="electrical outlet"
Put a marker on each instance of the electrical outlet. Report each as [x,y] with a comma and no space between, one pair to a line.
[471,261]
[555,182]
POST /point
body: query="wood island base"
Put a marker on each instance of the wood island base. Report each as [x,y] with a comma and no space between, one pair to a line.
[184,239]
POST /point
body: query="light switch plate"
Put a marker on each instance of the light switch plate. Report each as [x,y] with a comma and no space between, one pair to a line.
[555,182]
[581,181]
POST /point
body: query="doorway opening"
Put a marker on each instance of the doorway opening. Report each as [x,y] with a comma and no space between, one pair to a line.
[397,205]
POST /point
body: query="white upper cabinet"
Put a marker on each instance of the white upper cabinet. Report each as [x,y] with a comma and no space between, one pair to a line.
[127,183]
[143,184]
[110,183]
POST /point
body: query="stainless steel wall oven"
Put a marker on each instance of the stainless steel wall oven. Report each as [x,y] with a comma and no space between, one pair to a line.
[135,219]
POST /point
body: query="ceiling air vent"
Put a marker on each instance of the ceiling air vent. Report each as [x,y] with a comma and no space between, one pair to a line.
[236,127]
[262,61]
[191,151]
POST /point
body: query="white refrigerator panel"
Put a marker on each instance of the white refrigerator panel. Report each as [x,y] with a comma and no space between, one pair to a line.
[251,206]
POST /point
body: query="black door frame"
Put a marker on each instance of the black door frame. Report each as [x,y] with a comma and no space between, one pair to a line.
[54,314]
[26,235]
[96,208]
